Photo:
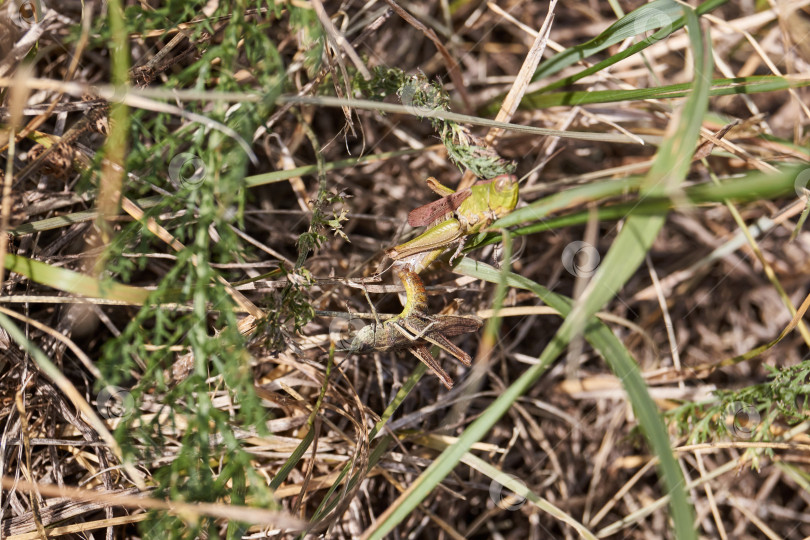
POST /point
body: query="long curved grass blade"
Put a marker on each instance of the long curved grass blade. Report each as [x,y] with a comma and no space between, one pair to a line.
[751,186]
[664,15]
[720,87]
[597,334]
[628,251]
[659,14]
[74,282]
[668,171]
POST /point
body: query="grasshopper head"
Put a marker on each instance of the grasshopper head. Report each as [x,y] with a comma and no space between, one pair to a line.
[503,194]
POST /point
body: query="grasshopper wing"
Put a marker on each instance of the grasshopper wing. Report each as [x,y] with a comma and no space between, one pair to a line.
[455,325]
[428,213]
[436,331]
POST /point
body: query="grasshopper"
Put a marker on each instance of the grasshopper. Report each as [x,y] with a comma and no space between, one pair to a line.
[413,329]
[455,216]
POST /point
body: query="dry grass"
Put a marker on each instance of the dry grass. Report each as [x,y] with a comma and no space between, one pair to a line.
[706,294]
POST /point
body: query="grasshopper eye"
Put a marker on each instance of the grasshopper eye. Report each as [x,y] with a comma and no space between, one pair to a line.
[504,183]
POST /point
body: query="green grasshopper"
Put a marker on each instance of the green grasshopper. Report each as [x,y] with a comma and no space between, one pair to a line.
[414,330]
[452,218]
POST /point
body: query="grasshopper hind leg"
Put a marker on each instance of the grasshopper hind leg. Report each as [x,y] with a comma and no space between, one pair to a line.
[423,354]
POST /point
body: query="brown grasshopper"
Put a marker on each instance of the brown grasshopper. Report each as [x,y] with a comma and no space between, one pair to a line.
[414,330]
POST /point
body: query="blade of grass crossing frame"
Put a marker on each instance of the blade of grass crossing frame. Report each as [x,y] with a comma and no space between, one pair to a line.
[663,15]
[752,186]
[603,340]
[668,171]
[631,245]
[720,87]
[658,14]
[598,335]
[72,282]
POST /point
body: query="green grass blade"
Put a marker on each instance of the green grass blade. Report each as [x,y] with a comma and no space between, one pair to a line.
[628,251]
[597,333]
[615,354]
[658,14]
[647,17]
[293,460]
[565,199]
[662,14]
[74,282]
[752,186]
[668,171]
[720,87]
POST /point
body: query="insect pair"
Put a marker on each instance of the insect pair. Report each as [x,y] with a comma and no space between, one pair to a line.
[450,220]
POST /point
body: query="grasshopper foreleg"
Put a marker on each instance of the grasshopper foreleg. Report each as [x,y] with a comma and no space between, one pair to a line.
[462,241]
